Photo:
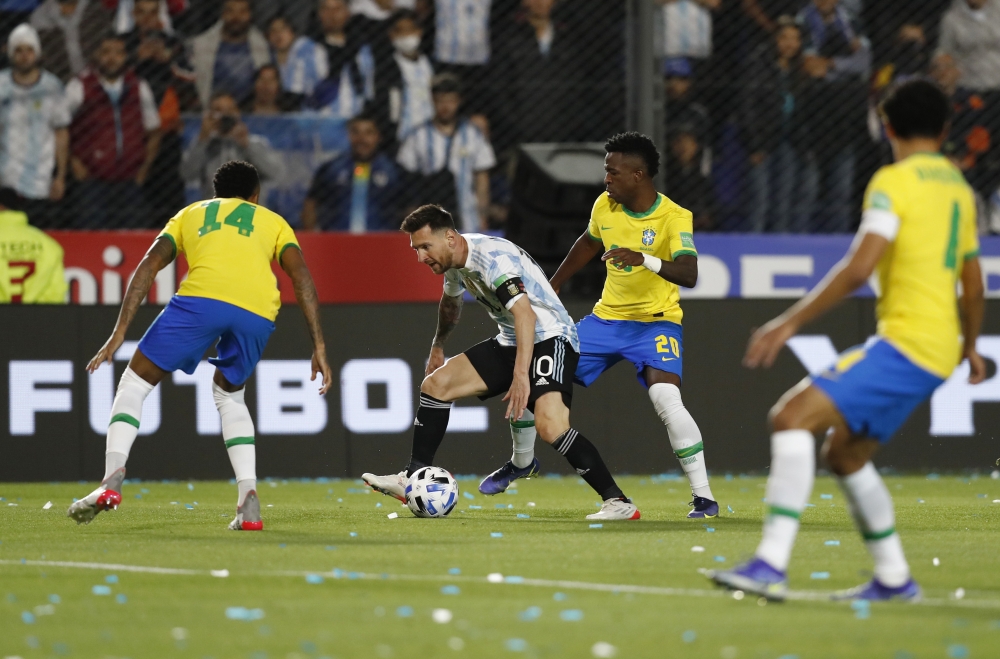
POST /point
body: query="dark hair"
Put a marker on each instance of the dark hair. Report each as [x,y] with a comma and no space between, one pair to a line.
[403,15]
[236,179]
[111,35]
[916,108]
[428,215]
[280,17]
[366,114]
[446,83]
[265,67]
[638,145]
[10,199]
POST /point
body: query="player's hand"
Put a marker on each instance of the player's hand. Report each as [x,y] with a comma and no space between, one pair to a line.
[977,366]
[517,396]
[435,360]
[320,367]
[767,342]
[107,352]
[621,257]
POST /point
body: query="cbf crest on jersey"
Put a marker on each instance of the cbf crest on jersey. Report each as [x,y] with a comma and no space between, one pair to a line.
[648,236]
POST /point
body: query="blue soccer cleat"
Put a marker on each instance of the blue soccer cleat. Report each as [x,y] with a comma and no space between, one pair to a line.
[501,479]
[703,508]
[756,577]
[876,591]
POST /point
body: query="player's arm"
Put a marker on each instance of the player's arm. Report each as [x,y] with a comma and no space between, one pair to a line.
[682,271]
[583,251]
[294,265]
[971,307]
[157,258]
[524,329]
[842,280]
[449,313]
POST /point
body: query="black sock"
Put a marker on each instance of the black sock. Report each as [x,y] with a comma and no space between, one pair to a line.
[585,458]
[428,431]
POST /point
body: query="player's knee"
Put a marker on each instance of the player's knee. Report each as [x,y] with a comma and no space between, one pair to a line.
[435,385]
[550,424]
[842,458]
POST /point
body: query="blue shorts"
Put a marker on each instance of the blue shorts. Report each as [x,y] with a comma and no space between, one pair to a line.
[604,343]
[188,326]
[876,388]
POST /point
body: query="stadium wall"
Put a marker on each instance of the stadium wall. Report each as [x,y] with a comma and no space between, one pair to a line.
[52,427]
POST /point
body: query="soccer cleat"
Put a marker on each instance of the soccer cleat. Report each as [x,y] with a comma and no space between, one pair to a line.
[616,509]
[248,514]
[393,485]
[755,576]
[703,508]
[501,479]
[875,590]
[106,497]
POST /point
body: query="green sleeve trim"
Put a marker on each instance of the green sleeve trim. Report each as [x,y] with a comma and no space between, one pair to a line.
[125,418]
[971,255]
[878,536]
[172,242]
[784,512]
[690,450]
[522,424]
[282,252]
[684,252]
[499,280]
[593,237]
[236,441]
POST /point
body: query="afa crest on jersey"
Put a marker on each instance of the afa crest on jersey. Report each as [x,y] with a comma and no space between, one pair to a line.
[648,236]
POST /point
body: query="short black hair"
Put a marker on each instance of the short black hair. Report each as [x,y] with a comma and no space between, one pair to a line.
[236,179]
[11,199]
[916,108]
[638,145]
[446,83]
[403,15]
[428,215]
[367,114]
[284,19]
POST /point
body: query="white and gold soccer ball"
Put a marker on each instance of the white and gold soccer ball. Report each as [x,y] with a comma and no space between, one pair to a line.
[431,492]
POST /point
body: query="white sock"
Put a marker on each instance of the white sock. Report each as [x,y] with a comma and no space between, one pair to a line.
[793,469]
[238,433]
[685,438]
[871,506]
[126,412]
[523,434]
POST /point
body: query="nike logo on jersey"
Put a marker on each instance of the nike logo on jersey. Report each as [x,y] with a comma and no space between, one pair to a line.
[604,228]
[668,359]
[541,381]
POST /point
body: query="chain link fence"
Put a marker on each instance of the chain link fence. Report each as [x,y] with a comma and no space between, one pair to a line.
[115,113]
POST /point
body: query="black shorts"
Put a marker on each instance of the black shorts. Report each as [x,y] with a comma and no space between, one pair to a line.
[553,364]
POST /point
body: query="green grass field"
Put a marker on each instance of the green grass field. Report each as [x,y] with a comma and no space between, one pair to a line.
[332,576]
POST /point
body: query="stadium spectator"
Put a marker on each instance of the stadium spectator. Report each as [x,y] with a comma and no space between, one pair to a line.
[462,47]
[34,128]
[687,183]
[357,191]
[403,85]
[450,158]
[226,56]
[224,137]
[970,33]
[764,14]
[680,103]
[13,13]
[301,61]
[70,31]
[114,138]
[349,56]
[268,97]
[906,57]
[839,60]
[125,14]
[538,57]
[297,13]
[782,181]
[31,262]
[687,27]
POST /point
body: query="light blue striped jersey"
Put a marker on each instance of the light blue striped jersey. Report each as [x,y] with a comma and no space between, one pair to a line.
[462,31]
[687,29]
[490,263]
[412,105]
[29,117]
[306,65]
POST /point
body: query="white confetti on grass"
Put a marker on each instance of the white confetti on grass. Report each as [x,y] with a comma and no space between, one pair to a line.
[603,650]
[392,515]
[441,616]
[697,549]
[47,506]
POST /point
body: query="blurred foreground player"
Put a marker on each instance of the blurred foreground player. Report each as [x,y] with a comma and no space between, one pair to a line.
[229,300]
[918,232]
[531,360]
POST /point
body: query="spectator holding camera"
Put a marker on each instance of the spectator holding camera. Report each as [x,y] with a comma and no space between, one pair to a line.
[225,137]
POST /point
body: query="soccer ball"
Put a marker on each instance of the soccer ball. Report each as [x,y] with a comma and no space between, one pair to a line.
[431,492]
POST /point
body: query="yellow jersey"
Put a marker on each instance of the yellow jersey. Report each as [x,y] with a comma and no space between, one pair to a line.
[933,206]
[31,263]
[229,245]
[664,231]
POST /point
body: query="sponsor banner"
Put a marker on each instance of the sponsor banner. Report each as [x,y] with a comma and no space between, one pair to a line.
[54,415]
[381,267]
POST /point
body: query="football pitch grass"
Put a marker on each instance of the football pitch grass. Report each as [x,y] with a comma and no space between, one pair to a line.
[333,576]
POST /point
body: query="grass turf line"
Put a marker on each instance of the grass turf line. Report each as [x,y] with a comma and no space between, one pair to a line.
[308,531]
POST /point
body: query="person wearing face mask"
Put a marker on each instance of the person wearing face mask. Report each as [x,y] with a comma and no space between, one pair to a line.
[224,137]
[403,84]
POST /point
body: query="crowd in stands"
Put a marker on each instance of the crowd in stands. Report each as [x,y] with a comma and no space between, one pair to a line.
[770,105]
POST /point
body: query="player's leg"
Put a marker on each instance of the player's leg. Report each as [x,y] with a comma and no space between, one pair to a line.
[140,377]
[458,378]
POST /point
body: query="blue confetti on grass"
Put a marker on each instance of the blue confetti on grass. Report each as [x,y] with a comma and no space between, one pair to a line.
[120,598]
[405,612]
[190,486]
[710,529]
[467,495]
[354,534]
[500,505]
[101,590]
[516,644]
[450,590]
[597,526]
[826,496]
[862,609]
[243,613]
[819,575]
[571,615]
[55,599]
[720,559]
[730,509]
[282,545]
[559,597]
[957,651]
[530,614]
[27,617]
[454,571]
[378,505]
[111,578]
[832,543]
[496,535]
[523,516]
[330,548]
[513,579]
[689,636]
[475,507]
[314,578]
